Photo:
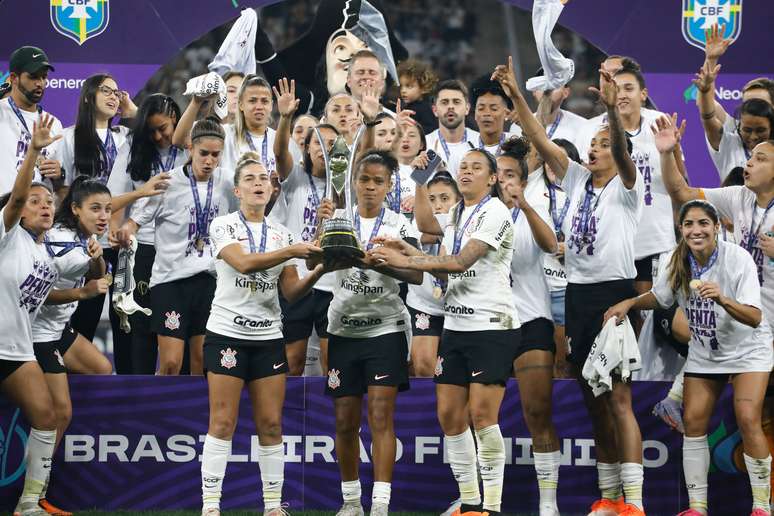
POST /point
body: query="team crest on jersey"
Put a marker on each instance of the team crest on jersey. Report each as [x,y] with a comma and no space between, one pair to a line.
[59,358]
[439,367]
[80,20]
[228,358]
[333,379]
[172,321]
[423,321]
[701,15]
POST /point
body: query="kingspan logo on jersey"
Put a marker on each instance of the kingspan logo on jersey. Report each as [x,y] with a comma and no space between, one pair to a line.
[700,15]
[80,20]
[13,442]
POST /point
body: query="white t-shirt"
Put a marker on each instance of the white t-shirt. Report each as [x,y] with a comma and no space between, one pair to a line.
[720,343]
[539,197]
[655,233]
[736,203]
[420,297]
[494,150]
[246,306]
[605,250]
[64,149]
[26,278]
[175,214]
[528,282]
[121,182]
[731,152]
[367,303]
[232,149]
[14,140]
[456,151]
[480,298]
[71,266]
[570,127]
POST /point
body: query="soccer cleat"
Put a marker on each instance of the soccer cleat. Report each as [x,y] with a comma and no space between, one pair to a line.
[631,510]
[379,509]
[277,511]
[454,507]
[607,507]
[670,412]
[351,509]
[52,509]
[470,513]
[691,512]
[211,511]
[759,512]
[29,509]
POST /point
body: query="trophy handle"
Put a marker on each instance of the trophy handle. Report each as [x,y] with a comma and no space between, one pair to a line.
[327,160]
[350,169]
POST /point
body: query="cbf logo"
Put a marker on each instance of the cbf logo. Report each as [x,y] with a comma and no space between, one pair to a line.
[700,15]
[80,20]
[13,442]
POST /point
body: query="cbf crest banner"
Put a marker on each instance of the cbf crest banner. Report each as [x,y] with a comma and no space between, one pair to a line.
[701,15]
[80,20]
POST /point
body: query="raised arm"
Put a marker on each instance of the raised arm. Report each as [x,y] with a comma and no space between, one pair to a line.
[186,122]
[667,138]
[287,104]
[705,84]
[714,48]
[608,92]
[427,224]
[551,153]
[542,233]
[154,186]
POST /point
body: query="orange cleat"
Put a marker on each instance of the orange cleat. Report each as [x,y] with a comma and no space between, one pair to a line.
[52,509]
[631,510]
[470,513]
[607,507]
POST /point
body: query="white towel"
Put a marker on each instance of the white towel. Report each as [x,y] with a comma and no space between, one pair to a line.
[210,84]
[237,52]
[123,293]
[614,351]
[557,69]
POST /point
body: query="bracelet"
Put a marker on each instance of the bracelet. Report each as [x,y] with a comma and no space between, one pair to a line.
[708,116]
[372,124]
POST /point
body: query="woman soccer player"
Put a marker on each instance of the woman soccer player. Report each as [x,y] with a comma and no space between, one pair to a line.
[716,283]
[244,343]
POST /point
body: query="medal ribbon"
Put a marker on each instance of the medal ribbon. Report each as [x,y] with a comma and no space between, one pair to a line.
[459,232]
[374,232]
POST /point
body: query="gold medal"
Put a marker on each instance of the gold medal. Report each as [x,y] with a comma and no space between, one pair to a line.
[109,278]
[199,245]
[695,284]
[437,292]
[253,285]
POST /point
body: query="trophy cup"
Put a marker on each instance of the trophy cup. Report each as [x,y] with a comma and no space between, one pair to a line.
[337,235]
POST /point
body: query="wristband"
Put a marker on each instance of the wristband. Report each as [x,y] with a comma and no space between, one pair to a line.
[708,116]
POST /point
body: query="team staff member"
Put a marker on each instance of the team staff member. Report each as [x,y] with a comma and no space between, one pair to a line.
[452,140]
[368,328]
[716,283]
[481,328]
[182,282]
[244,345]
[26,277]
[606,202]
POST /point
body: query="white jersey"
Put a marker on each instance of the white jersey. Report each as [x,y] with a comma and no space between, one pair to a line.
[656,233]
[26,277]
[262,144]
[174,212]
[571,127]
[64,150]
[738,204]
[14,140]
[72,266]
[366,303]
[538,195]
[121,182]
[600,236]
[422,297]
[528,282]
[494,150]
[720,343]
[246,306]
[480,298]
[452,153]
[731,152]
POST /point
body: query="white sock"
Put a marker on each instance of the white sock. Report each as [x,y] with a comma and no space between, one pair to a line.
[759,471]
[40,449]
[547,471]
[381,493]
[491,460]
[350,491]
[461,450]
[676,391]
[44,491]
[696,463]
[214,459]
[609,480]
[632,476]
[271,462]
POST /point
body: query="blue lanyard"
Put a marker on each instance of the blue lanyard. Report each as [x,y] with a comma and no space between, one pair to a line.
[749,242]
[374,232]
[459,232]
[557,218]
[202,215]
[170,163]
[696,269]
[264,146]
[19,115]
[108,157]
[483,147]
[586,209]
[314,194]
[66,246]
[393,198]
[552,129]
[446,146]
[251,239]
[515,214]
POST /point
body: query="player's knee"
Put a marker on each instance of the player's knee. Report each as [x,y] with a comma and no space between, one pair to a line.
[380,414]
[169,366]
[537,414]
[64,414]
[749,422]
[222,427]
[43,417]
[103,367]
[270,428]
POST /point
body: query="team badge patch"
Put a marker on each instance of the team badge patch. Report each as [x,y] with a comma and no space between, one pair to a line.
[423,321]
[80,20]
[333,379]
[172,321]
[228,358]
[439,367]
[700,15]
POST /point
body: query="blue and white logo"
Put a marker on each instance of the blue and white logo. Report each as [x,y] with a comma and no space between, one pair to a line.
[13,442]
[700,15]
[80,20]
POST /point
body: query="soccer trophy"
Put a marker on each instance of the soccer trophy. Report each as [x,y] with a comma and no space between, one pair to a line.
[338,239]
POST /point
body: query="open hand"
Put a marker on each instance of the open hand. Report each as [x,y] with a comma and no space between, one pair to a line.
[715,45]
[41,133]
[608,89]
[287,103]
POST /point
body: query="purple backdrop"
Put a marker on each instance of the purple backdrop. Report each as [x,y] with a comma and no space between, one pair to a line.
[133,438]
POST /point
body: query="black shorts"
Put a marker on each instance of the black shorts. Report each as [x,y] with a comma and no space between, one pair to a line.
[644,268]
[537,334]
[181,308]
[66,340]
[49,357]
[485,357]
[246,359]
[299,317]
[355,364]
[8,367]
[424,324]
[718,377]
[662,329]
[585,305]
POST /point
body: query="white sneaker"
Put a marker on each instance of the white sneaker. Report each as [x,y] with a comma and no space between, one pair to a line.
[211,511]
[379,509]
[277,511]
[351,509]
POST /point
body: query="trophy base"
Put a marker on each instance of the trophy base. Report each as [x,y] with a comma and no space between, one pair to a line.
[339,242]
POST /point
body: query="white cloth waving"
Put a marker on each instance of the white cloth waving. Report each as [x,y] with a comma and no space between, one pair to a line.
[557,69]
[237,52]
[614,351]
[207,85]
[123,295]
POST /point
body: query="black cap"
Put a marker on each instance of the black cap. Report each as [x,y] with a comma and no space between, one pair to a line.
[28,59]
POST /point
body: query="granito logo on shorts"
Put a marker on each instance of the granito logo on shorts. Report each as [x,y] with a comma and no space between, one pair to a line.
[458,310]
[172,321]
[358,323]
[250,323]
